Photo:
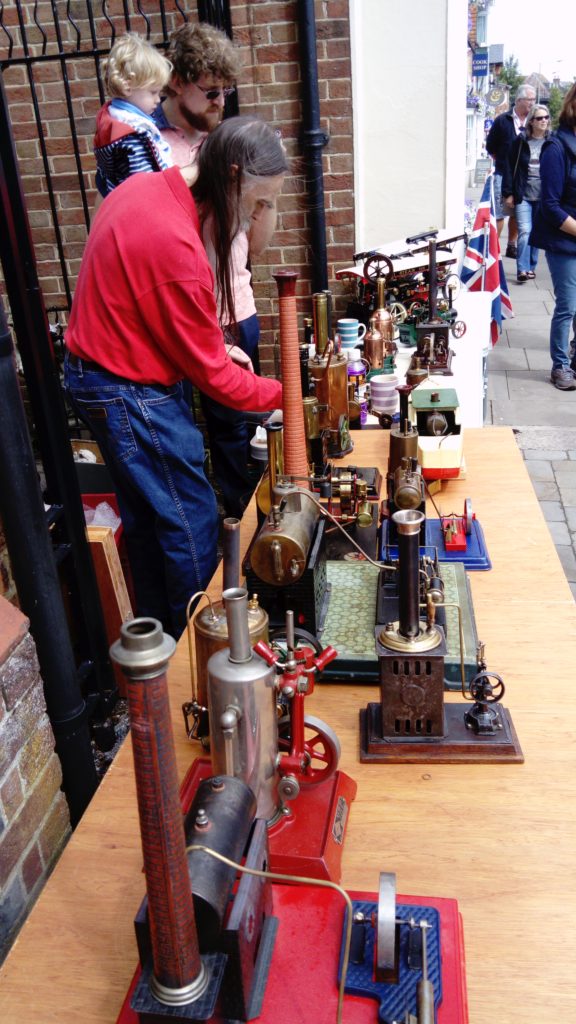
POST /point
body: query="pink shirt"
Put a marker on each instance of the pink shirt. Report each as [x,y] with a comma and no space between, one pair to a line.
[244,305]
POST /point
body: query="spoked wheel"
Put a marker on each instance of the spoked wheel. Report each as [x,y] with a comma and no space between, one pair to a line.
[321,749]
[451,287]
[459,329]
[377,266]
[398,312]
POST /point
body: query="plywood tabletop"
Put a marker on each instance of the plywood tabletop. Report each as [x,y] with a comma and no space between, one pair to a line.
[498,838]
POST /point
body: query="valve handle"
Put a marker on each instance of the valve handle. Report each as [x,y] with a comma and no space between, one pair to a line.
[323,659]
[266,653]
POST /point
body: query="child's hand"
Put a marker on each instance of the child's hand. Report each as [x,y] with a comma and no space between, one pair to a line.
[237,355]
[190,174]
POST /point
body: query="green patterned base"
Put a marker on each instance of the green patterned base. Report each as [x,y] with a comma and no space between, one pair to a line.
[349,625]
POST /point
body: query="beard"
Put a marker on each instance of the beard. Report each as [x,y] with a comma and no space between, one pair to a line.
[205,122]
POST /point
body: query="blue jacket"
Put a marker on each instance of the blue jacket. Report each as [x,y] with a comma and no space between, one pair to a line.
[558,194]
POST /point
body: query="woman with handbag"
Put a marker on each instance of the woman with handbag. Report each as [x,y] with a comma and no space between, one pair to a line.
[521,186]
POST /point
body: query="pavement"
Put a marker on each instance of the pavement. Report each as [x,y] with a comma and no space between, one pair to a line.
[520,395]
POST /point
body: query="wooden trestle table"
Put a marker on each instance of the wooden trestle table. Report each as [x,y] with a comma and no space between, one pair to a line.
[501,839]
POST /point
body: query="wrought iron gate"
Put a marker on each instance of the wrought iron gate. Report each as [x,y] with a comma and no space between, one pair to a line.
[51,68]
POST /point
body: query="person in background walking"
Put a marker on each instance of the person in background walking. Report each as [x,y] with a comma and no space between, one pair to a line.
[555,231]
[500,137]
[521,186]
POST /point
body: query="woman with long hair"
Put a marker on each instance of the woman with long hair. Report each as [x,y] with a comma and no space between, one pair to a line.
[258,164]
[143,320]
[555,231]
[521,186]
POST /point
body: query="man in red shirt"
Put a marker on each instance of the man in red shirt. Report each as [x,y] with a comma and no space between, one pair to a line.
[143,319]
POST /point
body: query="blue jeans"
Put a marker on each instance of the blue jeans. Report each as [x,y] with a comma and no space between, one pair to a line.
[228,435]
[155,455]
[563,273]
[527,259]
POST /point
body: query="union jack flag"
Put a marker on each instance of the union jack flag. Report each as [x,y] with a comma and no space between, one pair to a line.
[482,269]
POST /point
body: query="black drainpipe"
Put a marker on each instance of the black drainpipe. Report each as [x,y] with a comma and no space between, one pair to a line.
[313,141]
[36,578]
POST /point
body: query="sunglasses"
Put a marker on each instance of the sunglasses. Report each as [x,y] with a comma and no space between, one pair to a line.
[545,117]
[214,93]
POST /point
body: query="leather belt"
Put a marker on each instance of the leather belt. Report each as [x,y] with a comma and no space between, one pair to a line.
[84,364]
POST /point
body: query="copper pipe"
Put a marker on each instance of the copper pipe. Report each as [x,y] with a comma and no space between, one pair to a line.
[143,652]
[295,460]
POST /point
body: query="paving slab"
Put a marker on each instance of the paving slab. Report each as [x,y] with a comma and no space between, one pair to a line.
[565,471]
[539,469]
[553,512]
[570,513]
[557,413]
[567,495]
[526,306]
[546,490]
[568,559]
[529,338]
[498,385]
[545,437]
[560,534]
[549,454]
[507,359]
[538,360]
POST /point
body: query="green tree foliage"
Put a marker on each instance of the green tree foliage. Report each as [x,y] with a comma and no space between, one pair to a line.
[555,104]
[510,75]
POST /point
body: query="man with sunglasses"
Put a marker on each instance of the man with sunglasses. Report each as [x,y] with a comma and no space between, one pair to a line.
[205,67]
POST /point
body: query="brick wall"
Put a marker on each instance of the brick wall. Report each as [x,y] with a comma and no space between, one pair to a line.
[267,32]
[34,822]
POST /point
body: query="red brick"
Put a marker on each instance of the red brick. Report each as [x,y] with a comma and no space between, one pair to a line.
[55,830]
[341,163]
[339,88]
[333,29]
[32,868]
[283,33]
[19,672]
[11,794]
[36,753]
[337,217]
[286,72]
[13,628]
[337,9]
[262,14]
[277,54]
[338,50]
[263,73]
[34,812]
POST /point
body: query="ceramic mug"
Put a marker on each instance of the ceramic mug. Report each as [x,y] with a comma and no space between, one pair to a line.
[383,393]
[350,332]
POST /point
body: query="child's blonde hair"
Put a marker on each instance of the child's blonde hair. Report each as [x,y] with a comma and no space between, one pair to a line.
[134,63]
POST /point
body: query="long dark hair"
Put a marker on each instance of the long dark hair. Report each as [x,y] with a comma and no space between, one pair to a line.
[567,116]
[257,151]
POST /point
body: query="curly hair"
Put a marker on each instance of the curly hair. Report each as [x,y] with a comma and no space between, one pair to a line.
[567,117]
[200,49]
[134,63]
[258,152]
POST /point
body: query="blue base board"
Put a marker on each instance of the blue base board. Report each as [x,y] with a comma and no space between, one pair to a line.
[395,999]
[475,558]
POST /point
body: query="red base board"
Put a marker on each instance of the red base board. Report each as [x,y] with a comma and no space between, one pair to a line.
[302,986]
[309,841]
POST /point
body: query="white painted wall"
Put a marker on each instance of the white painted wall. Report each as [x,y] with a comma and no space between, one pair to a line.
[409,102]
